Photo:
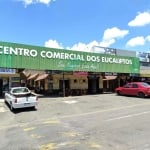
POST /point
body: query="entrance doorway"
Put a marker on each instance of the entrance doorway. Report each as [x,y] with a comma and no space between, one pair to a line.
[64,86]
[110,85]
[93,85]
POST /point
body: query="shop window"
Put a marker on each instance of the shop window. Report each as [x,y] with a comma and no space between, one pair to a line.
[84,81]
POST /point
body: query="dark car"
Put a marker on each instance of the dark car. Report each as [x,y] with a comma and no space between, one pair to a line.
[140,89]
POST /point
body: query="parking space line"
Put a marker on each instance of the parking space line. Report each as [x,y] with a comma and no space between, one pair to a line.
[128,116]
[29,129]
[102,111]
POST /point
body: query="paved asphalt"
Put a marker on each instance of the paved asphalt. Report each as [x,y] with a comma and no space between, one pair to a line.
[90,122]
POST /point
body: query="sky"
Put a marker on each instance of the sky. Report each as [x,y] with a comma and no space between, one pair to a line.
[77,24]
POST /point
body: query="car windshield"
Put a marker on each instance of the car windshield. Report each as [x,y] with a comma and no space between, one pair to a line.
[20,90]
[145,84]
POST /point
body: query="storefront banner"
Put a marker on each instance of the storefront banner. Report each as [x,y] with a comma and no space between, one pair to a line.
[7,71]
[14,55]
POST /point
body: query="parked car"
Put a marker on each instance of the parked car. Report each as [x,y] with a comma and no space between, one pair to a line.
[20,97]
[140,89]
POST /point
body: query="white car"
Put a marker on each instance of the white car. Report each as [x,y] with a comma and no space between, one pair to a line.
[20,97]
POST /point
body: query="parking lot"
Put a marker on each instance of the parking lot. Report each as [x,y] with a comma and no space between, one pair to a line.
[90,122]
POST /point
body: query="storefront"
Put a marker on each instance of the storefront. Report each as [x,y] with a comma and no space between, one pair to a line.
[8,78]
[57,67]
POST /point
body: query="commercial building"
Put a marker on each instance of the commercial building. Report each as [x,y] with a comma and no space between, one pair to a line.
[66,72]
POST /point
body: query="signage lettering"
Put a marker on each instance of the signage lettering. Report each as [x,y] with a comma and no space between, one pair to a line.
[13,55]
[18,51]
[62,55]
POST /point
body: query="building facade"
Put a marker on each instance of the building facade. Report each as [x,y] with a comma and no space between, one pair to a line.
[66,72]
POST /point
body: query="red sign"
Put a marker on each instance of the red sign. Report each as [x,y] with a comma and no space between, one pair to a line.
[80,73]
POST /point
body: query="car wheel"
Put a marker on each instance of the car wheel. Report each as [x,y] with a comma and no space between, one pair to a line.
[34,108]
[141,95]
[11,107]
[119,93]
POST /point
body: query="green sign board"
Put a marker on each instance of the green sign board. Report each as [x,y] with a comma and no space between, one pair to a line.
[14,55]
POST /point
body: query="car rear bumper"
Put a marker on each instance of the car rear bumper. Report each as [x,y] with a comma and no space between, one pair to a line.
[24,105]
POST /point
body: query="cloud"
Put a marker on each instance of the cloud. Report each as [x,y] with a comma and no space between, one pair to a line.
[107,43]
[112,33]
[29,2]
[110,37]
[53,44]
[148,38]
[79,46]
[141,19]
[136,41]
[83,47]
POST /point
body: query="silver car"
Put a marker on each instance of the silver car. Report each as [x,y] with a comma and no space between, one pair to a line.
[20,97]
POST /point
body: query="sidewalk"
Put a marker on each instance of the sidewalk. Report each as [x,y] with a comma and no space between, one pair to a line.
[1,100]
